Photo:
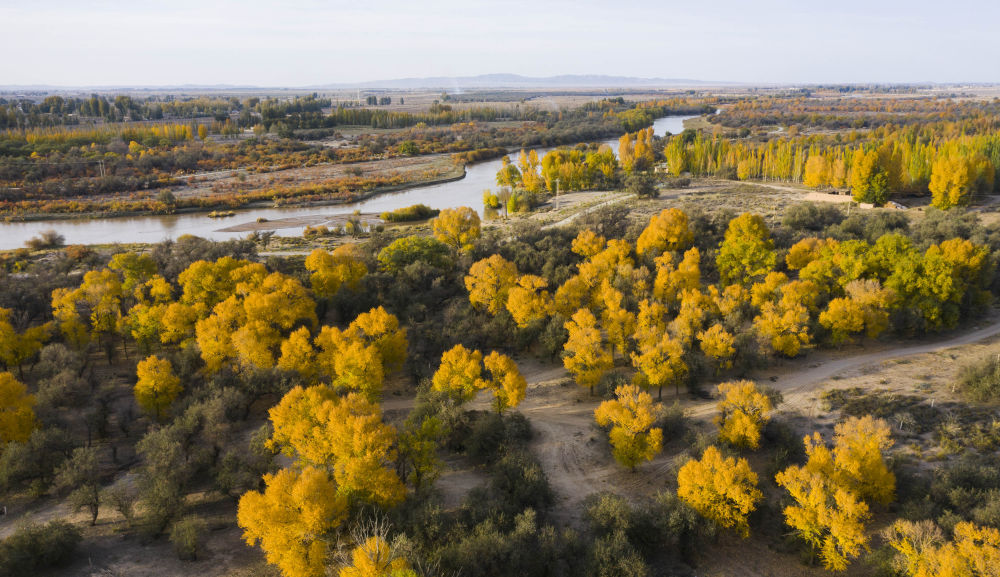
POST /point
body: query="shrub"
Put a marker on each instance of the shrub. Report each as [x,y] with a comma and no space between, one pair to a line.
[641,185]
[812,217]
[123,499]
[33,548]
[410,213]
[187,535]
[981,380]
[525,549]
[492,433]
[517,482]
[46,239]
[316,231]
[675,182]
[614,556]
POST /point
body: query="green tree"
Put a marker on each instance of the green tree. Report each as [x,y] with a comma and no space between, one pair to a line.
[747,251]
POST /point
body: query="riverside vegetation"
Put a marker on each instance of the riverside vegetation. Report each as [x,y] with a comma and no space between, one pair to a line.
[319,404]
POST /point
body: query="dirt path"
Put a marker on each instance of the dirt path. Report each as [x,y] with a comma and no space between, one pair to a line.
[576,456]
[798,384]
[618,197]
[574,451]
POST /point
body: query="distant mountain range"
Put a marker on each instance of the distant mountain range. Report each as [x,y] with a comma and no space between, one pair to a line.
[518,81]
[452,83]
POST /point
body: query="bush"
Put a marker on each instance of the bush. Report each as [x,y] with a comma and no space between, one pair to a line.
[46,239]
[614,556]
[187,535]
[869,225]
[517,483]
[812,217]
[609,221]
[316,231]
[981,380]
[492,433]
[409,213]
[525,549]
[33,548]
[641,185]
[675,182]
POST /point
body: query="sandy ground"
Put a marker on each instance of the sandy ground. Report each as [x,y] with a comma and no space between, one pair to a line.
[328,220]
[417,168]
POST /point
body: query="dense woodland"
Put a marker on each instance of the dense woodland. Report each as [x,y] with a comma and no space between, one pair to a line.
[316,400]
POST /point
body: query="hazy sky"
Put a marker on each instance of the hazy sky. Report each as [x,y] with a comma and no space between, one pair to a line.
[310,42]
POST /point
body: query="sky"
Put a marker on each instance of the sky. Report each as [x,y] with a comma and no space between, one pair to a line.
[296,43]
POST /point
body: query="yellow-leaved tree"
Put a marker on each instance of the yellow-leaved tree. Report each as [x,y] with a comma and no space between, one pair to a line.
[723,490]
[457,227]
[671,281]
[374,557]
[785,327]
[17,347]
[489,282]
[459,374]
[631,416]
[506,382]
[298,354]
[618,322]
[528,301]
[717,343]
[828,517]
[866,308]
[92,310]
[157,385]
[923,551]
[357,358]
[858,460]
[17,410]
[585,354]
[831,489]
[743,411]
[588,243]
[344,435]
[659,362]
[956,176]
[343,268]
[292,518]
[807,250]
[247,327]
[667,231]
[380,329]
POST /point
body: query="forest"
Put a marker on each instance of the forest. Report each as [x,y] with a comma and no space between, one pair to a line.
[619,391]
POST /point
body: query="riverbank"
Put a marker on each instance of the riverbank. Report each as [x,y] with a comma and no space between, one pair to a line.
[463,187]
[287,197]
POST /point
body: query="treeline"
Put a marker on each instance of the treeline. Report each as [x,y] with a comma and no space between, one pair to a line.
[59,110]
[975,116]
[875,165]
[583,167]
[56,110]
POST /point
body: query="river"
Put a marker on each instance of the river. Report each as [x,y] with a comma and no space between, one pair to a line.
[151,229]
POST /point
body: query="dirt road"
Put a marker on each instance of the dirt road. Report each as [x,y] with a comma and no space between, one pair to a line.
[575,454]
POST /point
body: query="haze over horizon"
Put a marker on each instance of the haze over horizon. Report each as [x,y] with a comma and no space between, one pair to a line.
[312,43]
